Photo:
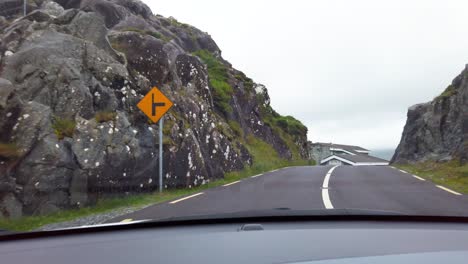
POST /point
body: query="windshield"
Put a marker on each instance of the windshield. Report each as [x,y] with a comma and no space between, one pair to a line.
[114,111]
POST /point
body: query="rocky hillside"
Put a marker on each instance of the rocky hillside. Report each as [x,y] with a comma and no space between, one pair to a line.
[71,74]
[437,130]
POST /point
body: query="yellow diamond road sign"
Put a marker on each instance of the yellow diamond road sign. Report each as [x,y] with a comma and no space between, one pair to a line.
[155,104]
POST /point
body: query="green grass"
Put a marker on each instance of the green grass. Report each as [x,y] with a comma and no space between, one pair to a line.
[148,32]
[248,83]
[9,150]
[174,22]
[105,116]
[188,29]
[63,127]
[287,127]
[264,156]
[449,91]
[235,126]
[218,77]
[136,201]
[158,36]
[168,124]
[289,140]
[449,174]
[118,46]
[290,125]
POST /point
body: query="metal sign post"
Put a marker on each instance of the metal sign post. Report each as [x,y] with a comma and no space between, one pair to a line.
[155,104]
[24,7]
[161,124]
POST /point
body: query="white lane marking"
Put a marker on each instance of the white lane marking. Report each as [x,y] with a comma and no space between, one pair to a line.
[403,171]
[257,175]
[325,195]
[126,220]
[230,183]
[327,177]
[419,178]
[326,199]
[185,198]
[274,170]
[448,190]
[326,180]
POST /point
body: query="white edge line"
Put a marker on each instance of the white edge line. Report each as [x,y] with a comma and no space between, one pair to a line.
[257,175]
[185,198]
[274,170]
[230,183]
[419,178]
[448,190]
[403,171]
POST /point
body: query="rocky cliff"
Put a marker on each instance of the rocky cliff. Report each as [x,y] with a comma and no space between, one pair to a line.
[71,74]
[437,130]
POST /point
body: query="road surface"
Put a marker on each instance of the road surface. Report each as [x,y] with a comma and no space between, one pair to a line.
[317,187]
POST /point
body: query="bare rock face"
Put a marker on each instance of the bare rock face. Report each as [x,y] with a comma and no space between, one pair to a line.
[437,130]
[71,74]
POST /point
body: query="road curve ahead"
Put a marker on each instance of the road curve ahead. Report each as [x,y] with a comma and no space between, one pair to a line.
[317,187]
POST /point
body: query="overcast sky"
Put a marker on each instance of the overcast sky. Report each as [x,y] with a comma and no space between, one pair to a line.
[347,69]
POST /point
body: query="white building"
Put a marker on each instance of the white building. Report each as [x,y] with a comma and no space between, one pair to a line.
[338,154]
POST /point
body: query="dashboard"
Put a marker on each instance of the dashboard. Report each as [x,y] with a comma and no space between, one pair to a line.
[246,242]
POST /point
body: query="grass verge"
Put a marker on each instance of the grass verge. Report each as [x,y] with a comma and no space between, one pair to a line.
[265,159]
[449,174]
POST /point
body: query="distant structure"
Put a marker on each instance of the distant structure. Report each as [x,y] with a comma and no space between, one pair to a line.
[339,154]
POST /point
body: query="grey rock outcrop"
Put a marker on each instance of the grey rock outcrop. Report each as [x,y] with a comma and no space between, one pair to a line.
[437,130]
[71,74]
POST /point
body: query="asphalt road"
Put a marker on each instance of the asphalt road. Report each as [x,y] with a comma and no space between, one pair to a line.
[380,188]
